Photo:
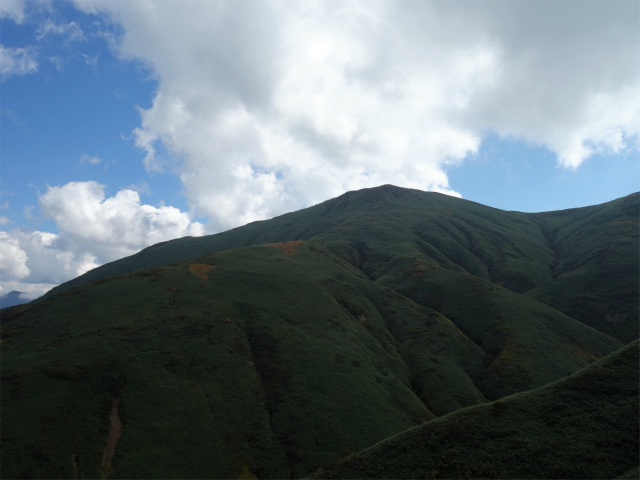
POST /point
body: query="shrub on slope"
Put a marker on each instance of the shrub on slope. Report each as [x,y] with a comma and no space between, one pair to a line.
[583,426]
[276,359]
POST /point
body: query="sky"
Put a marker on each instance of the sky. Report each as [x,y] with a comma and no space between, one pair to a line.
[127,123]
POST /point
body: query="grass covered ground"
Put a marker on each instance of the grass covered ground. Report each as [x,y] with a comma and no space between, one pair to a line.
[582,262]
[283,358]
[278,347]
[583,426]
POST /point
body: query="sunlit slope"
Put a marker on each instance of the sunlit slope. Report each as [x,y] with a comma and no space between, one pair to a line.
[272,360]
[595,268]
[584,426]
[583,262]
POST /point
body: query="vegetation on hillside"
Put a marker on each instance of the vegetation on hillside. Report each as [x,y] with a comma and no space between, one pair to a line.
[583,426]
[278,361]
[583,262]
[275,348]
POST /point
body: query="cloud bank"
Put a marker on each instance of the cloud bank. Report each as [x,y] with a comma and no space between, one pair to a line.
[274,105]
[95,229]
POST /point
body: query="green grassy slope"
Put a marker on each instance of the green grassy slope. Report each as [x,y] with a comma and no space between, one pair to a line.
[404,305]
[370,226]
[281,360]
[527,343]
[583,262]
[468,262]
[595,270]
[584,426]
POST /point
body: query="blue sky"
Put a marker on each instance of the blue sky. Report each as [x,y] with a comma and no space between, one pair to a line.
[128,123]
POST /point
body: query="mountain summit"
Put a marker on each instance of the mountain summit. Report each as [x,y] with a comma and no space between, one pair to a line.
[273,349]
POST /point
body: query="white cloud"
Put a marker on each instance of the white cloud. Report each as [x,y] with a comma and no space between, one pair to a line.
[89,159]
[70,31]
[276,105]
[17,61]
[568,76]
[110,228]
[94,229]
[58,62]
[13,260]
[16,9]
[89,60]
[44,261]
[13,9]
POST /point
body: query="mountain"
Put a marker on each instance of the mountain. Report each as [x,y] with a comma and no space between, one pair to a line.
[276,348]
[12,298]
[583,426]
[582,261]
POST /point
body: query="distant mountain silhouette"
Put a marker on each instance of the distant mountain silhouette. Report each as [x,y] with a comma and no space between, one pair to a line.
[12,298]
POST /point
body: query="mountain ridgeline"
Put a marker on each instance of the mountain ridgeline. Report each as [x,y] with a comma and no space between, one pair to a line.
[274,349]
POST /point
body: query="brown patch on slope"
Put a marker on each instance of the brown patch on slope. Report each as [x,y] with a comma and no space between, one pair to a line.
[115,431]
[199,269]
[286,247]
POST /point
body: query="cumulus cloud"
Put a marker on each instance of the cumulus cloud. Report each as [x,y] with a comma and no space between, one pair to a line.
[18,251]
[17,61]
[113,227]
[94,229]
[568,75]
[275,105]
[45,262]
[13,260]
[39,265]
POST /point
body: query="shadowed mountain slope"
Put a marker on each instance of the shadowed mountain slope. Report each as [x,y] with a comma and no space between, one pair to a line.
[584,426]
[372,226]
[224,356]
[469,262]
[595,266]
[277,359]
[583,261]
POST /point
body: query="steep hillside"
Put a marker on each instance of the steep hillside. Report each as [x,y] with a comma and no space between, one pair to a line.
[583,262]
[584,426]
[276,359]
[371,226]
[527,343]
[278,347]
[595,268]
